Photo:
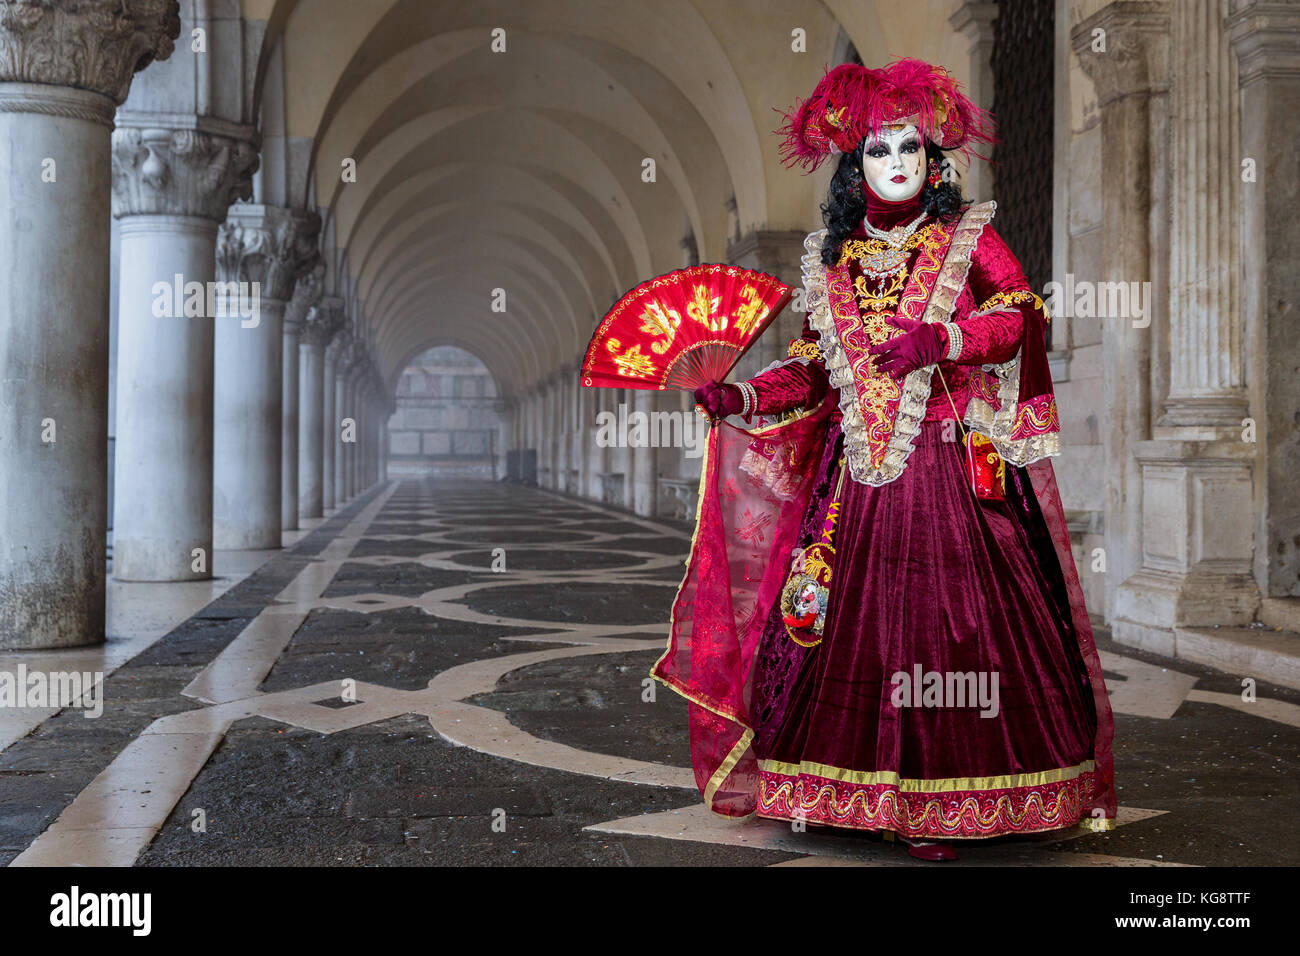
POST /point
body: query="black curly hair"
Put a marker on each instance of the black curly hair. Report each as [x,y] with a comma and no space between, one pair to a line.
[846,205]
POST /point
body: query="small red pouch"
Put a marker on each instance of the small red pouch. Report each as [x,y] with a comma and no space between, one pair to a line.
[985,469]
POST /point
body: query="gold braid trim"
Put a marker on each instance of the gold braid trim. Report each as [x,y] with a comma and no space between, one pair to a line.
[802,348]
[915,388]
[1003,300]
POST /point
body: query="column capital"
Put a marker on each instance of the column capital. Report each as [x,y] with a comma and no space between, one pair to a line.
[270,245]
[323,321]
[1265,36]
[974,20]
[1135,58]
[92,45]
[307,291]
[188,167]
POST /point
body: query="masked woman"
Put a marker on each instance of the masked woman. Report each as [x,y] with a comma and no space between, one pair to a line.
[881,625]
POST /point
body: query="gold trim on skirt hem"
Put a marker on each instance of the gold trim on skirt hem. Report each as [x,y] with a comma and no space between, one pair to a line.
[871,778]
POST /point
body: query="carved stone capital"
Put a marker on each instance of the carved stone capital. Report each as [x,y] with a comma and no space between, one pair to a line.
[306,293]
[184,171]
[1265,35]
[269,245]
[93,45]
[323,321]
[974,19]
[1133,48]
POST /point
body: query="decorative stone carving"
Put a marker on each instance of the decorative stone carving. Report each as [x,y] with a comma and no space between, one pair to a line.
[268,245]
[1266,39]
[324,320]
[306,293]
[93,45]
[1136,57]
[185,171]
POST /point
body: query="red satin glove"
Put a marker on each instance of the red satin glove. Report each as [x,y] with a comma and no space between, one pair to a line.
[923,344]
[719,400]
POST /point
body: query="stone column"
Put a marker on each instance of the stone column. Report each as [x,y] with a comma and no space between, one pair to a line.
[644,479]
[1131,79]
[354,411]
[585,441]
[563,431]
[363,436]
[778,253]
[261,252]
[171,188]
[1196,558]
[974,20]
[329,424]
[348,449]
[341,411]
[323,321]
[1207,395]
[306,293]
[64,68]
[1266,40]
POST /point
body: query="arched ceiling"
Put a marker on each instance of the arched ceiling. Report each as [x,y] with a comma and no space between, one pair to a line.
[522,170]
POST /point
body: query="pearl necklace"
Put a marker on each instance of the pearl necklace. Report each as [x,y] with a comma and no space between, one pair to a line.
[894,237]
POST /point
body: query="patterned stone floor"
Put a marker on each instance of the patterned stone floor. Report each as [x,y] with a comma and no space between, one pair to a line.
[456,674]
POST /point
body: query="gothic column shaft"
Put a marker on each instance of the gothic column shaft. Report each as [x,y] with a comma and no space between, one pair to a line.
[1129,74]
[268,246]
[645,459]
[329,426]
[172,186]
[54,356]
[163,462]
[311,427]
[64,68]
[1265,37]
[306,293]
[323,321]
[289,427]
[1206,375]
[341,411]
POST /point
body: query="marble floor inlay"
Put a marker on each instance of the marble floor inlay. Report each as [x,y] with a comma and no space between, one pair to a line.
[456,672]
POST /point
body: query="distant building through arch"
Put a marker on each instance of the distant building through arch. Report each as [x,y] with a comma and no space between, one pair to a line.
[446,424]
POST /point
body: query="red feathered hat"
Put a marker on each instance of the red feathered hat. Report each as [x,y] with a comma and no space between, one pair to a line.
[852,102]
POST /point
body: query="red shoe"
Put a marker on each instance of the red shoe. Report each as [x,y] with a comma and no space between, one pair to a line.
[930,851]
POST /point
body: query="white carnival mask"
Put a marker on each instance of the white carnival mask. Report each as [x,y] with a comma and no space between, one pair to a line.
[893,164]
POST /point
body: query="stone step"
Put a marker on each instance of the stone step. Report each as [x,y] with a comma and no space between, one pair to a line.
[1266,654]
[1281,612]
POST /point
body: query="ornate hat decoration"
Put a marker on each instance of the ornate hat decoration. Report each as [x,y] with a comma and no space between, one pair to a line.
[852,102]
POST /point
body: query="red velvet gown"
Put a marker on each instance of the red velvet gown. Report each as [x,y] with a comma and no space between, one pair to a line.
[928,578]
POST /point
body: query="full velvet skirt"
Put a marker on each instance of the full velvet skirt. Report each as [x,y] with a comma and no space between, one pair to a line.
[948,697]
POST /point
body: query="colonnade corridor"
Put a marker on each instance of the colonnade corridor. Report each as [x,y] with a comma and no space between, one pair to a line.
[455,672]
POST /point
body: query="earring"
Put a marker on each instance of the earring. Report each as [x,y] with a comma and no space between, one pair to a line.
[936,174]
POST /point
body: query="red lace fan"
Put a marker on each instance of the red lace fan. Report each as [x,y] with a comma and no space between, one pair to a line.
[683,329]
